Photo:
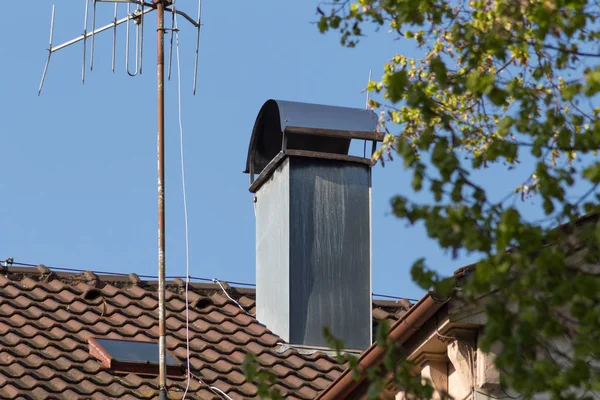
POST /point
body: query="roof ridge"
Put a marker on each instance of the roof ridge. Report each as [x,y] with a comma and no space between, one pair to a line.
[176,285]
[73,277]
[132,276]
[9,266]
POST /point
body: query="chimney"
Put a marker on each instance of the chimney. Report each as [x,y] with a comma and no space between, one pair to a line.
[313,222]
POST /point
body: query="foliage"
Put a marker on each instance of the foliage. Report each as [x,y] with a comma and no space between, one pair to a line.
[500,82]
[264,379]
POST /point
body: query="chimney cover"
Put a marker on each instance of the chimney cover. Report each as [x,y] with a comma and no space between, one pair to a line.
[277,115]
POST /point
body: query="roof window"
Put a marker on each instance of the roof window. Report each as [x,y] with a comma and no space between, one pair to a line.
[132,356]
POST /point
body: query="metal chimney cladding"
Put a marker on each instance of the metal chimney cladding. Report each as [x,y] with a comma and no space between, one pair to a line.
[313,222]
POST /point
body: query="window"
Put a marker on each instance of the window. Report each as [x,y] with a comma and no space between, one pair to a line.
[132,356]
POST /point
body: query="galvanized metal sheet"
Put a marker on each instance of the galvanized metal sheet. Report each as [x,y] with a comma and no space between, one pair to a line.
[275,115]
[330,254]
[306,115]
[272,252]
[313,253]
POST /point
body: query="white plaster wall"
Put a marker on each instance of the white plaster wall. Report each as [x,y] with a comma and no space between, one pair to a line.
[456,388]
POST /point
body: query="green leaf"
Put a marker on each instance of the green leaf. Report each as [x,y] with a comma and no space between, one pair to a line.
[323,25]
[592,173]
[445,287]
[250,367]
[382,333]
[438,67]
[396,87]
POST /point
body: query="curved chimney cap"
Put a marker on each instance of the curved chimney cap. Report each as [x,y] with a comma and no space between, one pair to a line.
[276,115]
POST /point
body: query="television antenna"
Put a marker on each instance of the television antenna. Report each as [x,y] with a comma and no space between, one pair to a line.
[135,20]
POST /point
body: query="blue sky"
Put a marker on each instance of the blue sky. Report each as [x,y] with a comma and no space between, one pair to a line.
[78,175]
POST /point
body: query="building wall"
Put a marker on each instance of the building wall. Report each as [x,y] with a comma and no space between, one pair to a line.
[471,372]
[477,377]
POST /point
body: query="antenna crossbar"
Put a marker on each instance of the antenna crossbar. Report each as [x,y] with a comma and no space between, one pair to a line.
[133,16]
[54,49]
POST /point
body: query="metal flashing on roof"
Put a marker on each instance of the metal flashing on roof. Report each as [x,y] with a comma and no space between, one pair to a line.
[132,356]
[311,127]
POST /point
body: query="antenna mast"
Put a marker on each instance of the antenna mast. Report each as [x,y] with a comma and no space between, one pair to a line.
[161,6]
[160,72]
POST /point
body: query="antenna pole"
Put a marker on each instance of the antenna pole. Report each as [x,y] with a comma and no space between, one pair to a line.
[146,6]
[160,7]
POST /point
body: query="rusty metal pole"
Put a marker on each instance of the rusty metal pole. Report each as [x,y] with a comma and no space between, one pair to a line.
[162,341]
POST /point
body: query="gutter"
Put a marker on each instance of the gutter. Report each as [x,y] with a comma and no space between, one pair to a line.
[400,332]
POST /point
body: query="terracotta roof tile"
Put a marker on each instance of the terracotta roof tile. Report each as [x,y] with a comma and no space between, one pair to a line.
[136,292]
[47,317]
[8,391]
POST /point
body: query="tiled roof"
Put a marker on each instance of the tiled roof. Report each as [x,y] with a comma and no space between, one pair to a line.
[47,317]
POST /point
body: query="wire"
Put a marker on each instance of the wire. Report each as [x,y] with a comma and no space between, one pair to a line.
[438,332]
[393,297]
[221,392]
[23,264]
[213,388]
[215,280]
[240,283]
[194,278]
[185,210]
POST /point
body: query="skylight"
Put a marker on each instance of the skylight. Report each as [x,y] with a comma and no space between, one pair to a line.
[132,356]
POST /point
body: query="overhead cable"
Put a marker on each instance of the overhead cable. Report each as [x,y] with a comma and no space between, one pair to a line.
[185,211]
